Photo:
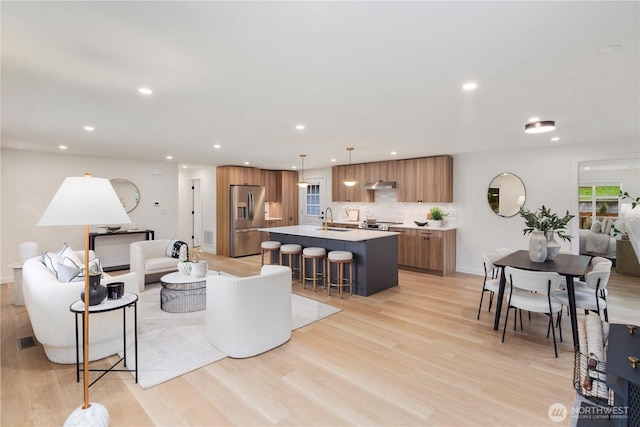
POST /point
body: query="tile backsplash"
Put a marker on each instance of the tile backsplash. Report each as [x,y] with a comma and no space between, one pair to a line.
[387,208]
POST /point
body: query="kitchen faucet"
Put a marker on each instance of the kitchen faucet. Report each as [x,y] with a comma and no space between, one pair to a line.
[326,218]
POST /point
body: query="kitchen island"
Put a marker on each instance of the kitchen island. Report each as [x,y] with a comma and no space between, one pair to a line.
[375,253]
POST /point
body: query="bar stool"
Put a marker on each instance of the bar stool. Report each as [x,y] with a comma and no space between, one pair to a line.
[292,252]
[340,258]
[270,247]
[315,255]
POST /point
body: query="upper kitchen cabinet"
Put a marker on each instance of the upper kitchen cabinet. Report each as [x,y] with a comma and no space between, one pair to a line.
[427,179]
[239,175]
[269,182]
[342,193]
[379,171]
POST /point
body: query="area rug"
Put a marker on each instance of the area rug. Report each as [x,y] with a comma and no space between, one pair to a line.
[172,344]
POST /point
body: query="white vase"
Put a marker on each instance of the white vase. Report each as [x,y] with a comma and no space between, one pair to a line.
[199,269]
[537,246]
[553,247]
[436,223]
[184,268]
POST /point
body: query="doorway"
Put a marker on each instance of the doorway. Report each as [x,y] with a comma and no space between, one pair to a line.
[313,202]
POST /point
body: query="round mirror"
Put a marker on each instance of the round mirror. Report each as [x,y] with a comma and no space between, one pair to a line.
[506,194]
[127,192]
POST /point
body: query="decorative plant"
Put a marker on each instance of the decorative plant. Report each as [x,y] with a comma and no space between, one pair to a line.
[437,214]
[634,203]
[603,209]
[543,220]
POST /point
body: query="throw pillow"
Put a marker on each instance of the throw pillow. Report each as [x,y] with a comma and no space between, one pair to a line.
[67,273]
[595,227]
[51,260]
[173,248]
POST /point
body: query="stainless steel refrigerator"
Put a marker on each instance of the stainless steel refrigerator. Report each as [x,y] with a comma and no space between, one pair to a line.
[247,215]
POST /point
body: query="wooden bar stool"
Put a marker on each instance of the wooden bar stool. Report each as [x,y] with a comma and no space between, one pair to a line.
[315,255]
[292,252]
[270,247]
[340,258]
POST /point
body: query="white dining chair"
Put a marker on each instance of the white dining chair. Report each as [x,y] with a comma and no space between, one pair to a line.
[491,281]
[531,291]
[590,295]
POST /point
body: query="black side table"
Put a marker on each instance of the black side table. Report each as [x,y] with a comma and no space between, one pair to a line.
[622,378]
[127,300]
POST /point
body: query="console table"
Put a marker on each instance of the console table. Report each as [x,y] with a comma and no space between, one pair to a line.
[112,251]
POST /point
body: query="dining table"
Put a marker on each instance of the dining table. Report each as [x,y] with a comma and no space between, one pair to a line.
[568,265]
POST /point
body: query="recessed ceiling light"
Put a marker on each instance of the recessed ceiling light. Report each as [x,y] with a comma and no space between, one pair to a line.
[89,128]
[145,91]
[470,86]
[184,166]
[294,167]
[247,163]
[216,146]
[169,157]
[334,160]
[555,138]
[540,126]
[586,168]
[62,147]
[300,127]
[393,153]
[609,49]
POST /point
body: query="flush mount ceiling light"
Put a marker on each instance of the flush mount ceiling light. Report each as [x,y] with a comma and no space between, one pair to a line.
[89,128]
[470,86]
[300,127]
[350,181]
[302,183]
[145,91]
[540,126]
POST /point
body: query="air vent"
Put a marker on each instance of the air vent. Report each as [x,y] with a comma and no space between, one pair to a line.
[208,237]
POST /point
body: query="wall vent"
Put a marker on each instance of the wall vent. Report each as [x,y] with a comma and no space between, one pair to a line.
[208,237]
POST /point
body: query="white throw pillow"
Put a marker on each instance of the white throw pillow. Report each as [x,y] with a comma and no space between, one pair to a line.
[595,227]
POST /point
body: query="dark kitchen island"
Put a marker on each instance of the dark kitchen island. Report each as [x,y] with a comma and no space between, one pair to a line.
[375,253]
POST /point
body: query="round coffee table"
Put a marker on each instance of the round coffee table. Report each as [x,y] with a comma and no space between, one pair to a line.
[183,294]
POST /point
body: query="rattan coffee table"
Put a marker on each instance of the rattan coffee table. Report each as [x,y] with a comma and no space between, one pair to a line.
[181,293]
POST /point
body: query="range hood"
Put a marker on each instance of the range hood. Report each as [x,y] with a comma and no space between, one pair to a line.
[380,185]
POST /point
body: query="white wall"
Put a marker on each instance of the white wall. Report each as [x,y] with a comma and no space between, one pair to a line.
[30,179]
[550,177]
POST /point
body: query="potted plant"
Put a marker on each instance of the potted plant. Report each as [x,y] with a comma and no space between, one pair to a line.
[436,215]
[623,229]
[543,225]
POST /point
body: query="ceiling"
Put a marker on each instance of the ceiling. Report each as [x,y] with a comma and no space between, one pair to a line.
[376,76]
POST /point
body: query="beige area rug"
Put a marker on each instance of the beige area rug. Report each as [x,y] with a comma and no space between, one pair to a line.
[172,344]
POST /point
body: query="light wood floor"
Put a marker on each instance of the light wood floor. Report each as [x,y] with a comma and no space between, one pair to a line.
[412,355]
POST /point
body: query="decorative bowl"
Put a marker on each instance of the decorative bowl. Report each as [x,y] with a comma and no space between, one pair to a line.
[113,229]
[421,224]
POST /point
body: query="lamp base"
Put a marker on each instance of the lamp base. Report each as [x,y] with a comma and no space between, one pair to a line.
[94,415]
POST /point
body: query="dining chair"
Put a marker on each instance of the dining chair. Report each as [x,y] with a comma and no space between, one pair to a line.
[590,295]
[491,281]
[531,291]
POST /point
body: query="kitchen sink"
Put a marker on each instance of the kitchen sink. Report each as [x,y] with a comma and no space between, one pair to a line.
[335,229]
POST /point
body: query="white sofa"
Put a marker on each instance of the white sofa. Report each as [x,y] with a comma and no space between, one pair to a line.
[149,261]
[47,301]
[247,316]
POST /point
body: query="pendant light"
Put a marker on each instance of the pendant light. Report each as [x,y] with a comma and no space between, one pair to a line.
[540,126]
[303,183]
[350,181]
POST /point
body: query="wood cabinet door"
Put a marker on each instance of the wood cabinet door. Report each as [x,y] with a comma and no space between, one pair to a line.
[431,250]
[289,196]
[339,191]
[437,176]
[409,248]
[409,180]
[269,181]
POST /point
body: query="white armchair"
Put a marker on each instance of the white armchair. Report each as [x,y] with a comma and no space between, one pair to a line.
[148,258]
[247,316]
[47,301]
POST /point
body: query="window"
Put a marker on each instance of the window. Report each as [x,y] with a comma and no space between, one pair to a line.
[313,200]
[597,201]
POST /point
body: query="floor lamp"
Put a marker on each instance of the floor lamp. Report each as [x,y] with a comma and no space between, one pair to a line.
[85,201]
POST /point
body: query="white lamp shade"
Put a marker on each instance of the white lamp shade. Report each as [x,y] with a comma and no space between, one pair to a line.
[85,201]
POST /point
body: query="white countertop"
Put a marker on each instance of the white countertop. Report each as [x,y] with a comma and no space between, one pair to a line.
[349,235]
[410,225]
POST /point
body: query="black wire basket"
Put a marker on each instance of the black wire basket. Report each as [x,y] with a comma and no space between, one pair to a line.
[590,380]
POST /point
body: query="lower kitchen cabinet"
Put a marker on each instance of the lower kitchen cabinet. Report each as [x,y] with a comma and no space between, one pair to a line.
[430,251]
